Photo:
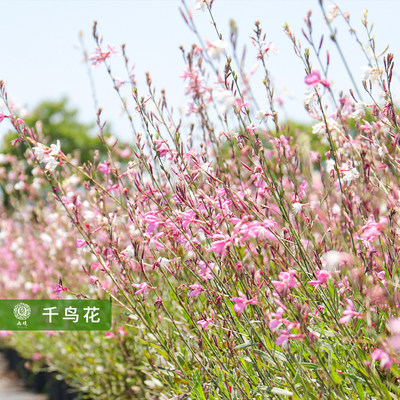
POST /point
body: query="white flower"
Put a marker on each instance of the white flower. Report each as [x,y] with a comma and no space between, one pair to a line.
[130,253]
[330,166]
[55,148]
[311,97]
[163,262]
[88,215]
[201,4]
[371,73]
[19,185]
[39,151]
[334,10]
[336,209]
[350,175]
[216,48]
[227,100]
[260,115]
[51,164]
[36,183]
[297,207]
[319,128]
[359,111]
[207,168]
[331,259]
[111,141]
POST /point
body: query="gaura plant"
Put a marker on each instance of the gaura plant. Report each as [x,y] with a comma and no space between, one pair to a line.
[250,259]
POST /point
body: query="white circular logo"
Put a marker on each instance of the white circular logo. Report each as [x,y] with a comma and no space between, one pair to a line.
[22,311]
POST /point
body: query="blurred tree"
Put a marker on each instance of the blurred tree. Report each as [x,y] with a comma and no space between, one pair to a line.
[56,120]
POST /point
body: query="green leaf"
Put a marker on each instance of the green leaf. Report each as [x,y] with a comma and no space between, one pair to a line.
[244,345]
[360,391]
[308,365]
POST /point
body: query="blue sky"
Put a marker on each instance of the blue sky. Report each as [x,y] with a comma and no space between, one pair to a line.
[40,56]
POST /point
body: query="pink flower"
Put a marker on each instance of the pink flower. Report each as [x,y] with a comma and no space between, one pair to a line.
[256,229]
[80,243]
[205,270]
[205,322]
[349,313]
[162,147]
[282,338]
[314,78]
[118,82]
[325,82]
[322,276]
[251,128]
[104,168]
[99,56]
[143,287]
[152,221]
[303,190]
[276,318]
[394,326]
[220,244]
[109,335]
[371,230]
[287,279]
[196,290]
[241,303]
[60,288]
[285,336]
[94,279]
[383,357]
[122,331]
